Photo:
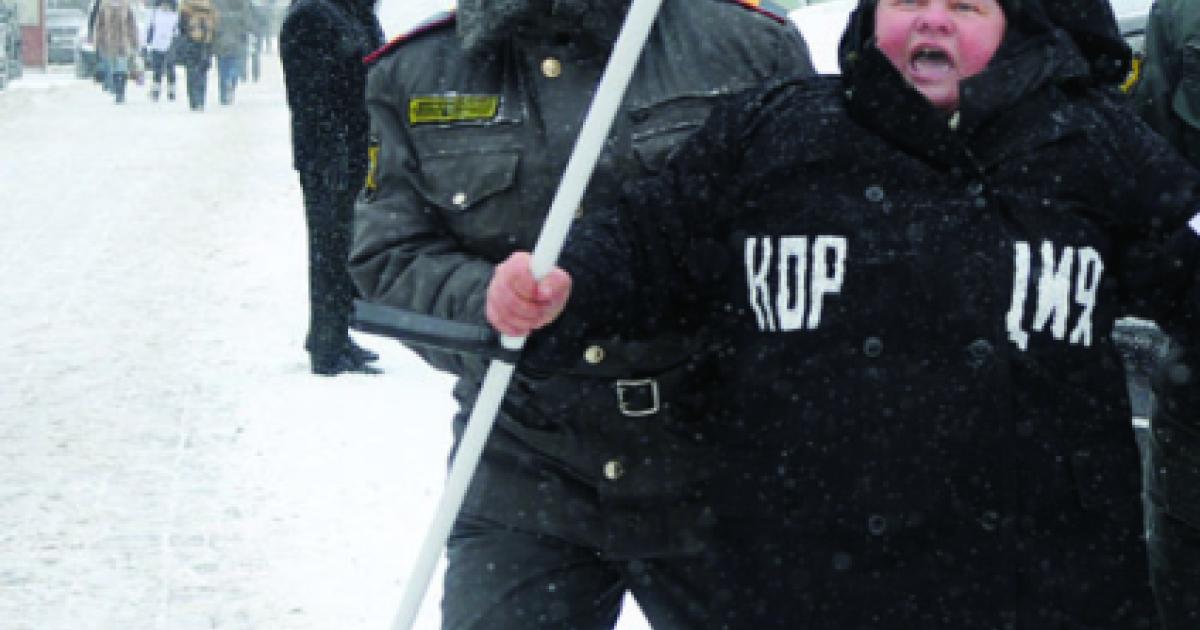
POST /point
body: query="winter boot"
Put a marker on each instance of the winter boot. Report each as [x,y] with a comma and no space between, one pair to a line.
[170,91]
[154,92]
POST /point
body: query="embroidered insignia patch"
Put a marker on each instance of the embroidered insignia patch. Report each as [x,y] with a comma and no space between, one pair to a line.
[452,108]
[372,183]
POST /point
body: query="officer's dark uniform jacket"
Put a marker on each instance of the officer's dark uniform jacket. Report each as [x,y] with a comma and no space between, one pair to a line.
[917,391]
[471,150]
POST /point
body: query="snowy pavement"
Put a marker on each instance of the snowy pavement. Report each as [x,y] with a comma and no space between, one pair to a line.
[166,460]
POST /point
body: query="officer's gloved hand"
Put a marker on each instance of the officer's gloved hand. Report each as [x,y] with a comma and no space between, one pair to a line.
[335,171]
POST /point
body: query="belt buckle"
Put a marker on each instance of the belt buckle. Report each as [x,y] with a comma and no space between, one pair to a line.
[627,407]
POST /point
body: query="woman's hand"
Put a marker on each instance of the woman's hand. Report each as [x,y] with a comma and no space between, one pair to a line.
[517,304]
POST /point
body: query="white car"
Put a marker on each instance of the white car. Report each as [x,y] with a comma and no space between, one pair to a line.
[822,26]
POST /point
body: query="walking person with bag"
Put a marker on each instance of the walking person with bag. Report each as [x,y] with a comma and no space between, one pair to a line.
[116,35]
[161,37]
[198,21]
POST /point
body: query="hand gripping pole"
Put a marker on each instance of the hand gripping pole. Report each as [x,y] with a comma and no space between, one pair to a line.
[582,162]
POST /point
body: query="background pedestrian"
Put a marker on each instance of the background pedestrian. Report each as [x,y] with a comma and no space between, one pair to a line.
[322,44]
[161,36]
[116,43]
[198,21]
[231,46]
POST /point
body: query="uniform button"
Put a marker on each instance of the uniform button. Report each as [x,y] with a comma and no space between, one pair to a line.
[876,524]
[873,347]
[551,67]
[989,520]
[593,355]
[954,120]
[613,470]
[979,351]
[975,188]
[459,199]
[579,212]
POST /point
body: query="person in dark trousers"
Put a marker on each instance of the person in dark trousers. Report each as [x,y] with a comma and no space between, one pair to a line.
[322,44]
[231,46]
[161,37]
[1168,98]
[198,22]
[587,489]
[910,273]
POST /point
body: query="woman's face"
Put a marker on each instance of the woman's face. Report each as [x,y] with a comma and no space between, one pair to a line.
[936,44]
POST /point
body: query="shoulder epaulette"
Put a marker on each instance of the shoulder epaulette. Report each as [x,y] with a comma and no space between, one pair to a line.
[770,9]
[434,22]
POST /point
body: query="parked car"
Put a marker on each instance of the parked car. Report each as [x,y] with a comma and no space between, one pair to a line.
[823,23]
[62,30]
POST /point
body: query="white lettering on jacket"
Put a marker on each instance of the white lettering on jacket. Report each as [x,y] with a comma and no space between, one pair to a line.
[807,269]
[1061,270]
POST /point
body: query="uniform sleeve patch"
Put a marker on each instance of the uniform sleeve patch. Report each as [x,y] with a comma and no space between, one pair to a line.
[452,108]
[371,186]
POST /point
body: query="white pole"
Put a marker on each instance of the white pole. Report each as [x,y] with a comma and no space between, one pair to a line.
[582,162]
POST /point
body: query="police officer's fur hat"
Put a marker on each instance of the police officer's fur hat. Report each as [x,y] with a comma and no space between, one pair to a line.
[483,23]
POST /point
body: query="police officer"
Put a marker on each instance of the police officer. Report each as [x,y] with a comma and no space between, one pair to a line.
[322,44]
[590,485]
[1168,97]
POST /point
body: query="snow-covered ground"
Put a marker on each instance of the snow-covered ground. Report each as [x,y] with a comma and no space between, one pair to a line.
[166,460]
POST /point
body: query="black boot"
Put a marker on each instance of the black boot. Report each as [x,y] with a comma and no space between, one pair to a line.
[361,353]
[341,362]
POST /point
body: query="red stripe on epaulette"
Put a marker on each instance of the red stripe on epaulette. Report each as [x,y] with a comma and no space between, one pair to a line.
[756,6]
[433,23]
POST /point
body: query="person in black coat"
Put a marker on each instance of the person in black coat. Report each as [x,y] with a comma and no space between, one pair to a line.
[910,275]
[322,44]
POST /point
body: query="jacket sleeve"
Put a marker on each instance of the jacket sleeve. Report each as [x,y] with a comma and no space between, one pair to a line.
[402,254]
[639,274]
[1155,199]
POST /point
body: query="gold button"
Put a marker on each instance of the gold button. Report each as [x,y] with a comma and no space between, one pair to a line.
[551,67]
[579,212]
[613,470]
[593,355]
[953,122]
[459,199]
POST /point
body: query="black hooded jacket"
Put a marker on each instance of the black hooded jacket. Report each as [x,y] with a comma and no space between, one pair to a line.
[916,384]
